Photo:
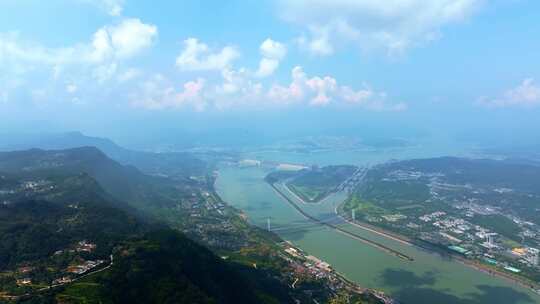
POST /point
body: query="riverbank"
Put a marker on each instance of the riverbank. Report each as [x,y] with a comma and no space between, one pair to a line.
[395,237]
[523,282]
[431,278]
[340,230]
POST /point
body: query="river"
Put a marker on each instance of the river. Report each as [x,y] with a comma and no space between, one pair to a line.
[429,279]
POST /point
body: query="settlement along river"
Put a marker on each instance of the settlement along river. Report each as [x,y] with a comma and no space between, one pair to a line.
[429,278]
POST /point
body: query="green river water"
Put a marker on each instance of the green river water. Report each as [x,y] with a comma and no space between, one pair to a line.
[430,278]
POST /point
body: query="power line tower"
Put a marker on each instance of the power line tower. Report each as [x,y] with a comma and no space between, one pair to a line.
[268,224]
[354,214]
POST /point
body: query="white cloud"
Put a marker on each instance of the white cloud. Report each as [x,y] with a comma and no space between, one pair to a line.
[322,87]
[527,94]
[129,74]
[112,7]
[318,44]
[240,89]
[122,41]
[131,36]
[197,56]
[392,25]
[273,49]
[118,42]
[370,99]
[272,52]
[159,93]
[322,91]
[233,81]
[104,72]
[267,67]
[25,63]
[291,94]
[17,54]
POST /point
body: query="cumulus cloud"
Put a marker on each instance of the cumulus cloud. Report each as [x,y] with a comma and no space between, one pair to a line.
[527,94]
[130,37]
[292,93]
[272,53]
[239,88]
[116,42]
[93,62]
[159,93]
[322,88]
[393,25]
[322,91]
[197,56]
[273,49]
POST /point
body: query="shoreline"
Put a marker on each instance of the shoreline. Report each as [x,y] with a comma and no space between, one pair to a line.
[302,201]
[327,195]
[379,246]
[523,282]
[389,235]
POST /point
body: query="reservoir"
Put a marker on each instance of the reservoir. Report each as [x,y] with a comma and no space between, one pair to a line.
[429,278]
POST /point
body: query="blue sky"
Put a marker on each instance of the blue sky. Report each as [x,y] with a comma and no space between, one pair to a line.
[105,66]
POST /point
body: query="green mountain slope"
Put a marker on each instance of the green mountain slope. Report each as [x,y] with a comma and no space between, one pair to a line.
[123,182]
[50,202]
[178,165]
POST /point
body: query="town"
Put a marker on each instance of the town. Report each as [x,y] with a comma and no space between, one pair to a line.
[305,265]
[477,222]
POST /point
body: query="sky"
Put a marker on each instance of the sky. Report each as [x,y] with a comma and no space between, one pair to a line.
[140,71]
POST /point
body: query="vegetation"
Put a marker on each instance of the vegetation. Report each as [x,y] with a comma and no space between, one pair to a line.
[451,201]
[54,200]
[166,267]
[313,184]
[35,228]
[501,224]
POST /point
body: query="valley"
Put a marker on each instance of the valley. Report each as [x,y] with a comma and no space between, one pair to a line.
[371,266]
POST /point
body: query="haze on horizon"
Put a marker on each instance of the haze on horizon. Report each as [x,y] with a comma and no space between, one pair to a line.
[270,151]
[146,74]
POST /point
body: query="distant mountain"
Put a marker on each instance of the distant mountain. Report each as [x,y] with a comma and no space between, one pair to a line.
[512,186]
[57,141]
[125,183]
[172,164]
[519,175]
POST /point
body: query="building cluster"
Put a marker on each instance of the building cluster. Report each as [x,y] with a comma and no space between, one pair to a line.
[456,227]
[249,163]
[394,217]
[527,255]
[28,188]
[24,281]
[432,216]
[207,219]
[304,264]
[84,267]
[84,246]
[62,280]
[471,240]
[472,207]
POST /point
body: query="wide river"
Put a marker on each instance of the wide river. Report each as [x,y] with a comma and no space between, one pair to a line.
[429,279]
